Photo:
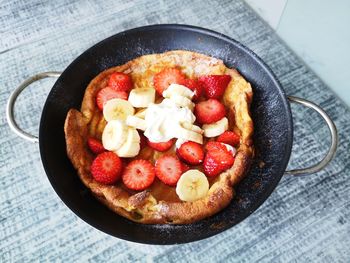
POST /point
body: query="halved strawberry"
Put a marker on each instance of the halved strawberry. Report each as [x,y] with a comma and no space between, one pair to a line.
[229,137]
[168,169]
[120,82]
[217,159]
[191,152]
[214,85]
[209,111]
[138,174]
[167,76]
[95,145]
[211,167]
[108,93]
[106,168]
[195,86]
[161,146]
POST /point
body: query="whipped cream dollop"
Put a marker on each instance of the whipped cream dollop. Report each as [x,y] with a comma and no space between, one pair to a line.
[164,121]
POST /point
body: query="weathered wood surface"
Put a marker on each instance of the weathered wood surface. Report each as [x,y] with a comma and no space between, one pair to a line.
[305,219]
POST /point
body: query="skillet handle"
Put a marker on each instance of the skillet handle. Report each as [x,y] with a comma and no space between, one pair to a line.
[334,139]
[13,97]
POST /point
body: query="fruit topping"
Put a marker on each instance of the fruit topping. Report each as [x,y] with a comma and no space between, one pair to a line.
[166,77]
[192,185]
[95,145]
[117,109]
[229,137]
[120,82]
[214,86]
[191,153]
[209,111]
[142,97]
[138,174]
[168,169]
[161,146]
[106,94]
[217,159]
[216,128]
[106,168]
[195,86]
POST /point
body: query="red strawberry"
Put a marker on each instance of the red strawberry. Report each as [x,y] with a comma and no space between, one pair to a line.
[120,82]
[161,146]
[95,145]
[184,167]
[229,137]
[209,111]
[106,168]
[217,159]
[214,85]
[138,174]
[191,152]
[168,169]
[211,167]
[167,76]
[194,86]
[108,93]
[214,146]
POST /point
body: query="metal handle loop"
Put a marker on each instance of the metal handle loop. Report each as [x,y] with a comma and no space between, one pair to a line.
[13,97]
[334,139]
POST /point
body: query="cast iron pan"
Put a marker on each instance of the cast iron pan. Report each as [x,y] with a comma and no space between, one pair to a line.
[270,112]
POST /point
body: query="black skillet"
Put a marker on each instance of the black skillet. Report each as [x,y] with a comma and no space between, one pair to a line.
[270,111]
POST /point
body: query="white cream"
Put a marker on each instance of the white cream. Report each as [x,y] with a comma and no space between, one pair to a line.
[164,120]
[179,142]
[230,148]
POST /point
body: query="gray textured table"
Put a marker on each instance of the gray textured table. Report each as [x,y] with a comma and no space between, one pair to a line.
[305,219]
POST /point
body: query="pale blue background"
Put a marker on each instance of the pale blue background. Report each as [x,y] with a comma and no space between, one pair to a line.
[318,31]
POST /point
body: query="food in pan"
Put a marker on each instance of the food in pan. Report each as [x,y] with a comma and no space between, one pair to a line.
[164,138]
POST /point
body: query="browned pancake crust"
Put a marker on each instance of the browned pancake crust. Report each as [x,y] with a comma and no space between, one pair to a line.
[144,207]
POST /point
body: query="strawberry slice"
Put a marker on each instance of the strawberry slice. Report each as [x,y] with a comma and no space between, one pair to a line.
[108,93]
[168,169]
[120,82]
[217,159]
[138,174]
[106,168]
[191,152]
[229,137]
[167,76]
[95,145]
[214,85]
[209,111]
[195,86]
[161,146]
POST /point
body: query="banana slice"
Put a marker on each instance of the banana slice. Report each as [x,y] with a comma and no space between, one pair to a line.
[117,109]
[192,185]
[189,135]
[131,147]
[141,113]
[177,89]
[136,122]
[191,127]
[114,135]
[142,97]
[216,128]
[182,101]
